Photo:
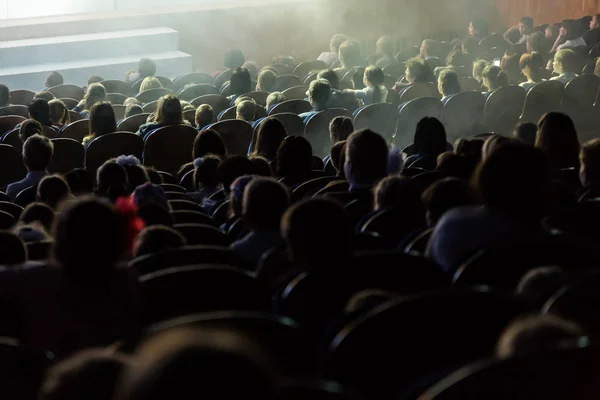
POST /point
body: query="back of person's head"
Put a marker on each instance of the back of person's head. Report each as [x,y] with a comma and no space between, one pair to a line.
[265,201]
[240,82]
[95,79]
[232,168]
[59,113]
[80,181]
[444,195]
[366,158]
[237,188]
[494,142]
[450,164]
[319,92]
[146,68]
[294,158]
[274,98]
[54,79]
[494,78]
[53,190]
[206,172]
[455,58]
[526,132]
[374,76]
[385,46]
[509,64]
[154,239]
[209,142]
[95,93]
[340,128]
[557,139]
[102,119]
[513,180]
[336,42]
[330,76]
[136,175]
[589,158]
[12,249]
[261,166]
[45,95]
[532,64]
[536,334]
[28,128]
[397,192]
[150,82]
[270,135]
[246,110]
[417,71]
[90,374]
[133,109]
[112,181]
[317,233]
[153,214]
[538,284]
[204,115]
[37,152]
[478,67]
[350,54]
[565,60]
[527,21]
[570,28]
[338,156]
[266,81]
[448,83]
[234,59]
[150,193]
[38,213]
[40,111]
[430,137]
[169,111]
[4,95]
[89,239]
[536,42]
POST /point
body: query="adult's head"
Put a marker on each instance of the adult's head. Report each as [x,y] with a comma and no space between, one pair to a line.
[513,180]
[266,81]
[155,239]
[494,78]
[509,64]
[595,22]
[206,172]
[429,48]
[265,201]
[526,132]
[336,41]
[95,93]
[146,68]
[209,142]
[531,65]
[569,29]
[349,54]
[444,195]
[273,99]
[54,79]
[319,92]
[417,71]
[589,159]
[536,334]
[246,110]
[478,28]
[102,119]
[330,76]
[53,190]
[112,181]
[40,111]
[557,139]
[4,95]
[37,153]
[240,82]
[399,193]
[385,46]
[537,42]
[478,67]
[317,233]
[234,59]
[28,128]
[366,158]
[430,137]
[340,128]
[38,213]
[89,239]
[59,113]
[168,111]
[270,135]
[448,83]
[12,249]
[294,158]
[232,168]
[46,95]
[526,25]
[204,115]
[150,82]
[565,60]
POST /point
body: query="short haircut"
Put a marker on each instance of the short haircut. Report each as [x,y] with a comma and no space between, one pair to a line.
[374,75]
[246,110]
[527,21]
[330,76]
[234,59]
[40,111]
[337,40]
[150,82]
[274,98]
[534,61]
[133,109]
[53,190]
[568,59]
[37,152]
[448,82]
[340,128]
[537,42]
[45,95]
[206,172]
[418,71]
[28,128]
[265,201]
[319,92]
[444,195]
[95,79]
[38,213]
[204,115]
[350,54]
[526,132]
[4,95]
[495,77]
[155,239]
[54,79]
[267,80]
[146,67]
[366,157]
[208,142]
[232,168]
[589,157]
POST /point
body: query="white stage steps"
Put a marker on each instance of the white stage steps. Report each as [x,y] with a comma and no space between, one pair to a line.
[25,64]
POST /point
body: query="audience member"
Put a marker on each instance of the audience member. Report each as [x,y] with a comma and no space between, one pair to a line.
[95,93]
[340,128]
[509,64]
[155,239]
[268,140]
[240,83]
[493,79]
[331,57]
[565,65]
[149,83]
[478,68]
[366,160]
[448,84]
[28,128]
[319,93]
[273,99]
[416,72]
[44,95]
[40,111]
[168,112]
[52,191]
[59,113]
[349,57]
[80,181]
[54,79]
[526,132]
[445,195]
[204,116]
[531,65]
[38,213]
[429,143]
[133,109]
[102,121]
[206,177]
[4,97]
[266,81]
[246,111]
[400,195]
[592,37]
[589,170]
[478,29]
[558,141]
[569,36]
[37,155]
[385,52]
[374,91]
[294,160]
[112,181]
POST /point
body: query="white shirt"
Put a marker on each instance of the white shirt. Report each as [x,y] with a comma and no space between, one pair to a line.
[565,78]
[572,43]
[367,95]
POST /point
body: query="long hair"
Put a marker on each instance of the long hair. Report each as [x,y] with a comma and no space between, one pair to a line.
[59,113]
[557,139]
[169,111]
[270,135]
[102,119]
[374,75]
[95,94]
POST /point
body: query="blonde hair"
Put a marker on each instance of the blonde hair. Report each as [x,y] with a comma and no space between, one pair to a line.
[150,83]
[95,94]
[59,113]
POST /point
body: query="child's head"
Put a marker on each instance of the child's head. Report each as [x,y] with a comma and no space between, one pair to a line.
[206,172]
[373,76]
[340,128]
[133,109]
[204,115]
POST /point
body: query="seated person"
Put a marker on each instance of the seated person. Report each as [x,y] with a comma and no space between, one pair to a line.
[133,109]
[454,61]
[532,65]
[470,51]
[155,239]
[525,29]
[429,142]
[319,93]
[265,200]
[374,91]
[526,132]
[266,81]
[28,128]
[366,160]
[54,79]
[331,57]
[246,111]
[46,95]
[59,113]
[146,68]
[337,98]
[478,29]
[445,195]
[273,99]
[168,112]
[4,96]
[206,178]
[569,36]
[95,94]
[589,170]
[349,56]
[239,84]
[592,37]
[416,72]
[448,84]
[53,190]
[204,116]
[149,83]
[39,110]
[493,79]
[478,67]
[37,155]
[385,52]
[102,122]
[565,65]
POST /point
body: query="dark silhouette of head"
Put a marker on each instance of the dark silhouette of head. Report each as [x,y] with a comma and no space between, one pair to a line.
[269,137]
[265,201]
[40,111]
[38,213]
[232,168]
[53,190]
[294,158]
[366,158]
[557,139]
[444,195]
[112,181]
[154,239]
[37,153]
[430,137]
